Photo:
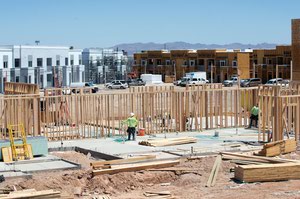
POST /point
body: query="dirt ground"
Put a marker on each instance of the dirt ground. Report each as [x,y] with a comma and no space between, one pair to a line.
[130,185]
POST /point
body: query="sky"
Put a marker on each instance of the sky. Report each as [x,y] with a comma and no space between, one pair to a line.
[105,23]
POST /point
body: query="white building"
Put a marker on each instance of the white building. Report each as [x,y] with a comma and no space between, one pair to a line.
[102,65]
[43,65]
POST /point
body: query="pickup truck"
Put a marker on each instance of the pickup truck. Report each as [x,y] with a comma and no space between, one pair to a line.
[136,82]
[231,82]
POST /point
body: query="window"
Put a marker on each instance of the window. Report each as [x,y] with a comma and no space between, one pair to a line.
[270,61]
[143,62]
[29,60]
[49,61]
[17,63]
[158,62]
[5,64]
[17,78]
[66,61]
[168,62]
[234,63]
[192,62]
[57,60]
[5,61]
[222,63]
[39,62]
[49,78]
[29,79]
[72,60]
[80,59]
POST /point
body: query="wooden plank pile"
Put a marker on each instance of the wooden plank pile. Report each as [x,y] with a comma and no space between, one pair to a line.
[263,169]
[267,172]
[130,164]
[279,147]
[169,142]
[31,193]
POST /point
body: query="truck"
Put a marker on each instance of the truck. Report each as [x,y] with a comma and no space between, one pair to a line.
[196,75]
[194,78]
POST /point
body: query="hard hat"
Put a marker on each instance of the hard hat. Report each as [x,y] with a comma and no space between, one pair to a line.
[131,114]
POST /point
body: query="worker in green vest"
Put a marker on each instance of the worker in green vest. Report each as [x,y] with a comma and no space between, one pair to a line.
[132,123]
[254,116]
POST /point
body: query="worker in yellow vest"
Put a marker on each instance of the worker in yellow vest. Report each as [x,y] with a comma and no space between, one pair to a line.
[254,116]
[132,123]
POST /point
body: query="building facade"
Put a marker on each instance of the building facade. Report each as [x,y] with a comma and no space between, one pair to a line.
[103,65]
[47,66]
[219,64]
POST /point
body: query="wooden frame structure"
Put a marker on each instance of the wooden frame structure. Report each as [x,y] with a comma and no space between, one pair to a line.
[280,112]
[159,109]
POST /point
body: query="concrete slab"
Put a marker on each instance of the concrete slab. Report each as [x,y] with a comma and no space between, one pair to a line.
[206,143]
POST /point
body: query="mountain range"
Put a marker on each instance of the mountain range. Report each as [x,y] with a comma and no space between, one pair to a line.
[138,47]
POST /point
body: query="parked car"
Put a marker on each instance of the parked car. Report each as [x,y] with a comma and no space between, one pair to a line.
[274,81]
[251,82]
[115,81]
[177,82]
[136,82]
[231,82]
[192,81]
[75,86]
[278,81]
[117,84]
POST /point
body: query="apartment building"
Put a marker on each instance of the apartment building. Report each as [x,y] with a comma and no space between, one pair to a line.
[222,64]
[43,65]
[265,61]
[103,65]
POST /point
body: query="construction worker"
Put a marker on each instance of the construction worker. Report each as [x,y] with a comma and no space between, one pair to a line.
[254,116]
[132,123]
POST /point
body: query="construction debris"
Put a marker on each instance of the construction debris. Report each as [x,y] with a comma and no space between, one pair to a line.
[136,167]
[279,147]
[169,141]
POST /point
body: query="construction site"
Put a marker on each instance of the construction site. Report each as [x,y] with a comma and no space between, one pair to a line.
[192,142]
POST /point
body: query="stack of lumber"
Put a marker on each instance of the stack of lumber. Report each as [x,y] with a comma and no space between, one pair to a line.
[279,147]
[31,193]
[169,141]
[158,194]
[263,169]
[267,172]
[130,164]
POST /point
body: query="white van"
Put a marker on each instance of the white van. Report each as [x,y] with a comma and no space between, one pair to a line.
[192,81]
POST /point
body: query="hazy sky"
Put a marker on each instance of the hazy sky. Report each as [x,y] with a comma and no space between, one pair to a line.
[104,23]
